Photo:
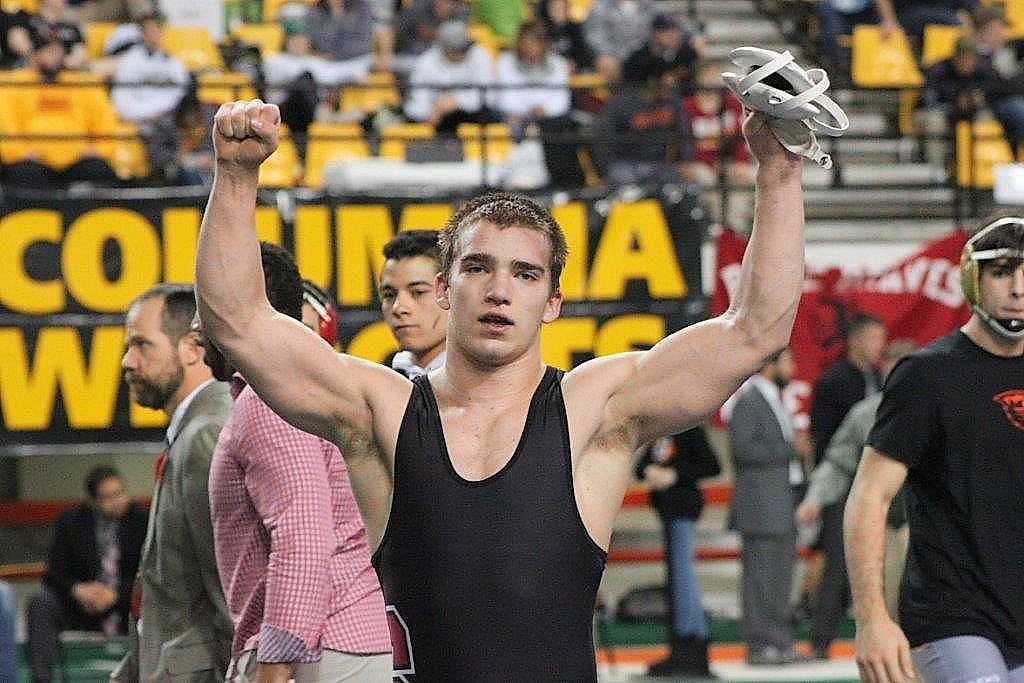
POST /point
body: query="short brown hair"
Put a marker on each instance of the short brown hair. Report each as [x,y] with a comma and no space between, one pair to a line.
[504,209]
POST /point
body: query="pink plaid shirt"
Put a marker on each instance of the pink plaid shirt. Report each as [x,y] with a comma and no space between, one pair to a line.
[291,549]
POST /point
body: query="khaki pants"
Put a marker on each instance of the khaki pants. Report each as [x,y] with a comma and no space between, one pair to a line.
[334,666]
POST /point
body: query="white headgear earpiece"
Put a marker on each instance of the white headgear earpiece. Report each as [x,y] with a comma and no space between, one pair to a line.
[793,117]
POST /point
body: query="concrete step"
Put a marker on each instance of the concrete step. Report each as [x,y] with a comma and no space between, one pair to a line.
[892,150]
[753,30]
[875,175]
[719,51]
[713,8]
[901,230]
[878,203]
[869,123]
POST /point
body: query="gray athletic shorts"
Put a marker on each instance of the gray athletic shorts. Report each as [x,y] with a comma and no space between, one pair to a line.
[963,659]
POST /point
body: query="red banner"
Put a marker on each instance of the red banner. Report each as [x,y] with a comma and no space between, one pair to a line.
[918,298]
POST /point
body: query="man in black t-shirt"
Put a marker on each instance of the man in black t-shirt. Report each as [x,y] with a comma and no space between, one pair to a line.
[951,423]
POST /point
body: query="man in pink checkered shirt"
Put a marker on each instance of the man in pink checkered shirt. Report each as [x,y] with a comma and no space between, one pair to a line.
[291,548]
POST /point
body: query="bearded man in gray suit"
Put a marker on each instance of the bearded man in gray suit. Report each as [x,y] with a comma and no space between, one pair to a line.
[181,629]
[767,466]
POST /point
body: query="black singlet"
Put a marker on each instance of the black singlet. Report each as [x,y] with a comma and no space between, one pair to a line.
[491,580]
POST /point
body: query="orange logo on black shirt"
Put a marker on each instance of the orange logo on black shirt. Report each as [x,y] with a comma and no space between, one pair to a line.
[1012,402]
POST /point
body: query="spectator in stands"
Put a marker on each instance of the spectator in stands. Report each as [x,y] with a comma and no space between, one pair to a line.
[533,80]
[8,646]
[913,15]
[716,119]
[721,157]
[853,377]
[187,628]
[615,29]
[148,87]
[195,160]
[766,462]
[1004,82]
[992,33]
[416,28]
[565,36]
[90,569]
[837,18]
[383,12]
[435,96]
[57,103]
[342,32]
[671,467]
[670,47]
[81,12]
[48,23]
[15,43]
[831,479]
[643,135]
[954,88]
[292,551]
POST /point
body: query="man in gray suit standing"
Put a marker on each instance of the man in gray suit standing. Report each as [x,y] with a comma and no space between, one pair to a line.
[181,629]
[766,468]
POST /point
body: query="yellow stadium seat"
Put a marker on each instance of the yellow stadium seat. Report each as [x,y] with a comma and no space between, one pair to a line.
[218,88]
[1013,10]
[882,63]
[272,7]
[128,158]
[269,38]
[578,9]
[979,147]
[194,47]
[377,90]
[328,143]
[283,167]
[30,6]
[394,138]
[939,43]
[594,82]
[495,138]
[324,129]
[96,33]
[483,36]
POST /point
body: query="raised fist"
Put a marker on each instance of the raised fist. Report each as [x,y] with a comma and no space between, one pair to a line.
[245,133]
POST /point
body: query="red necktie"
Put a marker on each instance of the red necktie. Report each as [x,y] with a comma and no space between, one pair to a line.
[135,606]
[158,466]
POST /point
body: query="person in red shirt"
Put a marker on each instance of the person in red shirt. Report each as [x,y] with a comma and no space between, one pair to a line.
[716,118]
[721,159]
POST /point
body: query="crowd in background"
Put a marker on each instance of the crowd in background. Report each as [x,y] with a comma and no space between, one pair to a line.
[655,109]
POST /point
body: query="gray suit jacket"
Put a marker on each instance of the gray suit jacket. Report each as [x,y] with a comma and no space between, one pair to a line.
[186,627]
[762,502]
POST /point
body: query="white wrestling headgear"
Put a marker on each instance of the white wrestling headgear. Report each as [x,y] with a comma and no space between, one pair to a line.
[794,116]
[1010,245]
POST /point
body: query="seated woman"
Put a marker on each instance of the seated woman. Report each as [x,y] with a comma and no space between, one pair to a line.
[342,32]
[533,81]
